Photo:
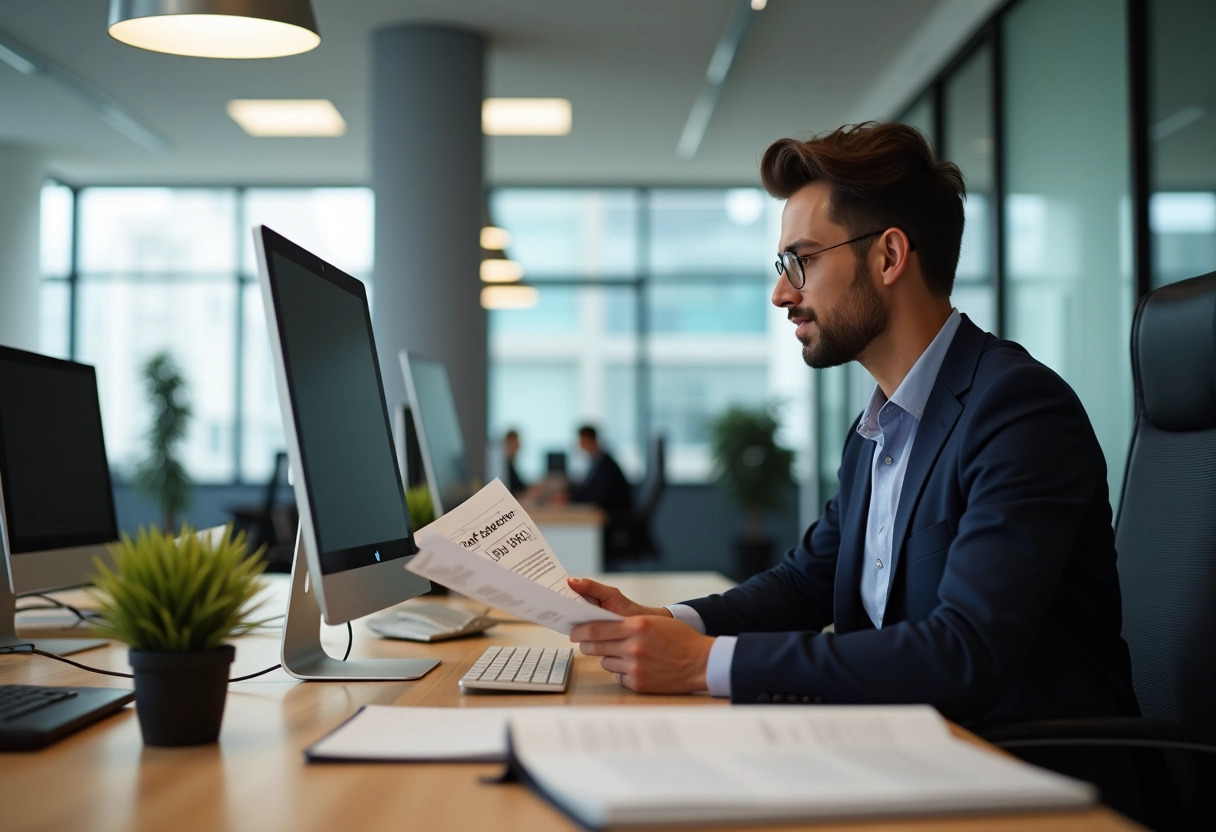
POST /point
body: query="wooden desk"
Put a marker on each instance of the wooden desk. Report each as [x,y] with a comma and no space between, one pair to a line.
[255,778]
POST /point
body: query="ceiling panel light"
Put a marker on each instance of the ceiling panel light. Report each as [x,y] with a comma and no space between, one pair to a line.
[266,117]
[498,270]
[526,116]
[216,28]
[494,238]
[509,297]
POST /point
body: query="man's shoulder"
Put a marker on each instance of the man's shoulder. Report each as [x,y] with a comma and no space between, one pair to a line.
[1002,363]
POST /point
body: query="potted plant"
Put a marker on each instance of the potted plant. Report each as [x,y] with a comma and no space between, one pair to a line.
[176,601]
[755,471]
[421,508]
[161,474]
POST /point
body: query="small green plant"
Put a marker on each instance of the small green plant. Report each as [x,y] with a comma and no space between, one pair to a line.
[421,508]
[749,464]
[161,474]
[188,593]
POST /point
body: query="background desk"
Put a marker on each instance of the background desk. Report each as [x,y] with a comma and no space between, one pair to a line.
[255,778]
[575,532]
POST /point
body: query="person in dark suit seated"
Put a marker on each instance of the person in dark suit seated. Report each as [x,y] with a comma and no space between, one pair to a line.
[967,560]
[605,484]
[510,449]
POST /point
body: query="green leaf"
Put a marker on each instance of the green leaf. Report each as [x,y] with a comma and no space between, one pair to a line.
[178,594]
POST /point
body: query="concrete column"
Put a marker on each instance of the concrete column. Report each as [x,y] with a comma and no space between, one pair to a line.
[20,220]
[427,173]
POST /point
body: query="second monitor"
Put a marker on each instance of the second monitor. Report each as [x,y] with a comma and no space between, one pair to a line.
[432,414]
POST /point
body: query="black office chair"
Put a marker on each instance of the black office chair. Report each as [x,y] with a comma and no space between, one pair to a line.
[1166,539]
[628,538]
[272,523]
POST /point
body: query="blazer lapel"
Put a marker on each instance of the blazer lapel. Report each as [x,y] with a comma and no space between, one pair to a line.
[849,614]
[941,413]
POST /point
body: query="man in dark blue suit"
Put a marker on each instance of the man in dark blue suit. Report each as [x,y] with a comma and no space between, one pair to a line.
[968,559]
[605,484]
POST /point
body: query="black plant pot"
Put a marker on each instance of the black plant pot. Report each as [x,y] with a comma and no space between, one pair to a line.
[179,697]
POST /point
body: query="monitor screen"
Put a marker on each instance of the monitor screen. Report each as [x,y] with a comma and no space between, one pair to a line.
[54,474]
[356,502]
[437,426]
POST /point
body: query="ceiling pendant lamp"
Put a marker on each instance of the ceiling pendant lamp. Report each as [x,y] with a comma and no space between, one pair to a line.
[216,28]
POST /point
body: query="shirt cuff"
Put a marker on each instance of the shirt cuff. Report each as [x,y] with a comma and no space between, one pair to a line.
[717,671]
[687,615]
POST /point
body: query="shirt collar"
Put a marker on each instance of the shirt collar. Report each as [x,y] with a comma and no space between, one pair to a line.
[913,392]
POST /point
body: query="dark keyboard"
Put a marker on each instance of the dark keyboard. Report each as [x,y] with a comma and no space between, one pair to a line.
[35,716]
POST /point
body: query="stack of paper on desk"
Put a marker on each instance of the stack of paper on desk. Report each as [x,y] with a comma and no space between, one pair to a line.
[702,764]
[682,765]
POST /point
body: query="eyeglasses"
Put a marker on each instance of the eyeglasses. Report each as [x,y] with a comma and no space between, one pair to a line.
[790,264]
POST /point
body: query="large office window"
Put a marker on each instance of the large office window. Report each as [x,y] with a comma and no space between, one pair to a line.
[1069,292]
[1182,135]
[171,269]
[653,318]
[653,312]
[969,143]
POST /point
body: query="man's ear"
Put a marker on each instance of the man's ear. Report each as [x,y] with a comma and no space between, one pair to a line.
[893,250]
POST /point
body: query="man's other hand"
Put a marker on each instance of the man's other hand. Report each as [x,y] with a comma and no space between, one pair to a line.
[648,654]
[611,599]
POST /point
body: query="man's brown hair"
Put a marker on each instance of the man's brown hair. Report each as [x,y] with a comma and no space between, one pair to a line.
[881,176]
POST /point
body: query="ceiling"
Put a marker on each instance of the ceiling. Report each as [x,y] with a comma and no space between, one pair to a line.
[632,69]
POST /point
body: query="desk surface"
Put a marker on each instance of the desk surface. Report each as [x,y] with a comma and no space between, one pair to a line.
[255,778]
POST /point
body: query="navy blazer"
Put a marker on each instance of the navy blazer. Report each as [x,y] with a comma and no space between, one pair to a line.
[605,486]
[1004,602]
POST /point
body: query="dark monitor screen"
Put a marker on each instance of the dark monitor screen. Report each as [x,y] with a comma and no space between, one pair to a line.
[53,467]
[438,430]
[555,463]
[341,424]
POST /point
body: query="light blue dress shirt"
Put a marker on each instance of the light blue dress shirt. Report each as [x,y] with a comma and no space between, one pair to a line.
[891,425]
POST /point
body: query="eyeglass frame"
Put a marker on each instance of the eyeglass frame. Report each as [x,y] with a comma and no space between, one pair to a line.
[783,269]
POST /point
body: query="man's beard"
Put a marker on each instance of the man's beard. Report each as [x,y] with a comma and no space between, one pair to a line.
[860,319]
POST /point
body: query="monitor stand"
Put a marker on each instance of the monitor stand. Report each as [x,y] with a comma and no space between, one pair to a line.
[8,624]
[303,654]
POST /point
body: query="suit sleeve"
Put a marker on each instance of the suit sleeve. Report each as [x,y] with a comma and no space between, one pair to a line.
[1029,468]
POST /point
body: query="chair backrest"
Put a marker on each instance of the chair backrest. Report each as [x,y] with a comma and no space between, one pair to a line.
[1166,531]
[277,483]
[652,486]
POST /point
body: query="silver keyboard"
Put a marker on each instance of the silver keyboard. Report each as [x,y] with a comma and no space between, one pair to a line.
[542,669]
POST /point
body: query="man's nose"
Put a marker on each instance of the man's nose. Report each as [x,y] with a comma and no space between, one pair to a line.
[784,293]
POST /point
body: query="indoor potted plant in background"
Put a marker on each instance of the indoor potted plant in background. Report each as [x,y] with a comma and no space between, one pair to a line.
[755,472]
[176,601]
[161,474]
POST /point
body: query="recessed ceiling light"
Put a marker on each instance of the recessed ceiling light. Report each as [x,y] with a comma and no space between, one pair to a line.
[526,116]
[216,28]
[509,297]
[498,270]
[494,238]
[265,117]
[759,5]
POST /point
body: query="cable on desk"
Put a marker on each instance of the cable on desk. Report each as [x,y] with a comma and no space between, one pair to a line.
[251,675]
[28,647]
[54,604]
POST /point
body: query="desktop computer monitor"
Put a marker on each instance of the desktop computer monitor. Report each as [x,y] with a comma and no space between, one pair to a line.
[56,499]
[354,535]
[436,426]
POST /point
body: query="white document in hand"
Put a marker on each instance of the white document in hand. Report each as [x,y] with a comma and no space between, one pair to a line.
[493,524]
[489,582]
